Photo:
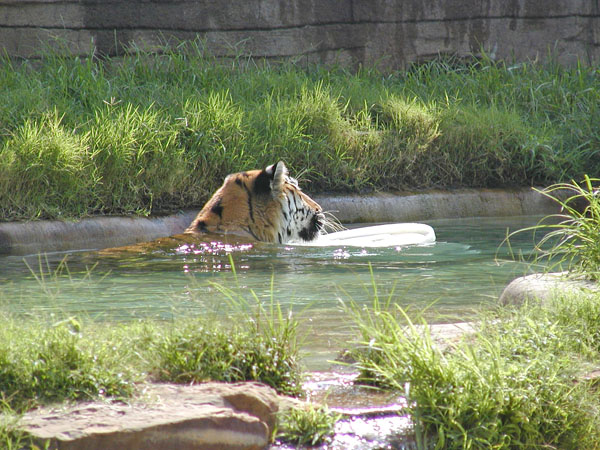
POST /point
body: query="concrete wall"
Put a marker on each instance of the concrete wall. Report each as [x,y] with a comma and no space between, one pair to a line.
[23,238]
[390,33]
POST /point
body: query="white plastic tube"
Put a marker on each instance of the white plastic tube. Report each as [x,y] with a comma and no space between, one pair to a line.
[391,235]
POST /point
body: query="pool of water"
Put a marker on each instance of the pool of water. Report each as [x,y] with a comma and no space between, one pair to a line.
[464,271]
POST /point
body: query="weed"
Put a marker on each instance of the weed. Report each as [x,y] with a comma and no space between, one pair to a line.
[572,239]
[307,425]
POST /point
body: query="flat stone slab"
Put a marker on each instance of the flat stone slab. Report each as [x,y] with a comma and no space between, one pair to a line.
[207,416]
[543,287]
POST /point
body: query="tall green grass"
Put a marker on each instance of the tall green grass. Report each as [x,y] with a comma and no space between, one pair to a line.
[257,343]
[43,362]
[572,239]
[149,132]
[516,383]
[307,425]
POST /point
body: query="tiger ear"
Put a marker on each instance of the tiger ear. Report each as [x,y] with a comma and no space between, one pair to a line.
[271,179]
[278,173]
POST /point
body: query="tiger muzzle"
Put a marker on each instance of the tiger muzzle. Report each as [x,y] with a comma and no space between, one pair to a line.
[314,228]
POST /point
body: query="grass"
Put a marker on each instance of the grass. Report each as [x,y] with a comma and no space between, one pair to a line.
[309,425]
[572,239]
[195,352]
[520,380]
[147,133]
[12,437]
[516,383]
[42,362]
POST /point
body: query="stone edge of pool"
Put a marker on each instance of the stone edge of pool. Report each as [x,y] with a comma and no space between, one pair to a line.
[110,231]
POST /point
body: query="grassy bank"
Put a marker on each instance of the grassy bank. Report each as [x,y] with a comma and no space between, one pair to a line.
[152,133]
[517,383]
[43,361]
[46,360]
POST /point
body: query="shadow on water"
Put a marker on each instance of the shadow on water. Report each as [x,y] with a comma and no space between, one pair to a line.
[173,277]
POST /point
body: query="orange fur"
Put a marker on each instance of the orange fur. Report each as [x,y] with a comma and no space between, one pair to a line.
[266,205]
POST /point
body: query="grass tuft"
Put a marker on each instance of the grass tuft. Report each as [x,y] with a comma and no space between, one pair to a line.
[572,238]
[198,351]
[307,425]
[41,155]
[40,364]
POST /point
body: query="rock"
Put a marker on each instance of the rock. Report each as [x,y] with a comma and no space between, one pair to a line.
[543,287]
[205,416]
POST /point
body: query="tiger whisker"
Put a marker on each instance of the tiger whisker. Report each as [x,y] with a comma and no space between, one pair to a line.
[331,223]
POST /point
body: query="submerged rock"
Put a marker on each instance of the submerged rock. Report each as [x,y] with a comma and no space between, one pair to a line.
[370,418]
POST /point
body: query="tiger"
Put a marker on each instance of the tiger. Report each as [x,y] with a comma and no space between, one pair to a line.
[264,205]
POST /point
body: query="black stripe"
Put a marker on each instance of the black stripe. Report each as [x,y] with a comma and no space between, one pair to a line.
[250,208]
[253,235]
[217,209]
[262,183]
[249,202]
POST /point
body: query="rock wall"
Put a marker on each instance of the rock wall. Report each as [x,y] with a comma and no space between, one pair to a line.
[389,33]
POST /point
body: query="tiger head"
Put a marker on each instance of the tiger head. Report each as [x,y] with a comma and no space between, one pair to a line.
[266,205]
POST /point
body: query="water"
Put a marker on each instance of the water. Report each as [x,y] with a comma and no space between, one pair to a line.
[464,271]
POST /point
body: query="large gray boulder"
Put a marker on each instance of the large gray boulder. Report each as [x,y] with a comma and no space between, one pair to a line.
[543,287]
